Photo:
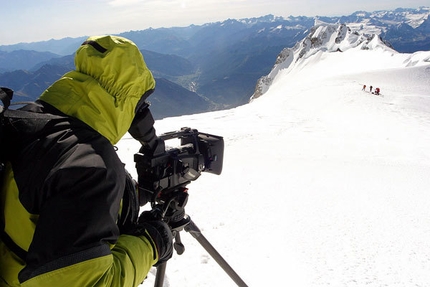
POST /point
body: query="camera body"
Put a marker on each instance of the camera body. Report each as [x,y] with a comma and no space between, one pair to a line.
[163,171]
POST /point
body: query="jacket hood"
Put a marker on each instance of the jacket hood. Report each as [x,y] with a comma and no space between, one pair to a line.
[110,79]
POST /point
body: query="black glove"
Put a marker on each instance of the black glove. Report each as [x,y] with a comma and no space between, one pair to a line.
[160,234]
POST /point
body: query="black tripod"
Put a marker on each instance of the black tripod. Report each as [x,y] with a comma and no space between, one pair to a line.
[189,226]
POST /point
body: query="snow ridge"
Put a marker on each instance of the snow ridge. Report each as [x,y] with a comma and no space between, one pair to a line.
[323,37]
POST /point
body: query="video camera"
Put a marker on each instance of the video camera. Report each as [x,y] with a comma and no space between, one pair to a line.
[162,171]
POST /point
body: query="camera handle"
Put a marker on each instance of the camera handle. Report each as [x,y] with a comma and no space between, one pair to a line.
[190,227]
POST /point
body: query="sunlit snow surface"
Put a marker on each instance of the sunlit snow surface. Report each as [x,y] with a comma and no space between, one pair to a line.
[323,184]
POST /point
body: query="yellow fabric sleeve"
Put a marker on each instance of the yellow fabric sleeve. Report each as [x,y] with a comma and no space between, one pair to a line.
[128,265]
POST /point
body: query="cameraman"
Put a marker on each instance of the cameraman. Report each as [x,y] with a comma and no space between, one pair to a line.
[64,182]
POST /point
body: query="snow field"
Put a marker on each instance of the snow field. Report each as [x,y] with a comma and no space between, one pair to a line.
[323,184]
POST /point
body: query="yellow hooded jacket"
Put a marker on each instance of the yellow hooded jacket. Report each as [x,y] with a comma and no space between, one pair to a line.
[62,190]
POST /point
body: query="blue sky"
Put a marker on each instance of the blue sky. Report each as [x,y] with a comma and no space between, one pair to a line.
[29,21]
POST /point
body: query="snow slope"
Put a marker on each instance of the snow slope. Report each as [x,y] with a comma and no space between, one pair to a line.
[321,39]
[323,184]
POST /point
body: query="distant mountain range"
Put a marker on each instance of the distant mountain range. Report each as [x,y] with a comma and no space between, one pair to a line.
[211,66]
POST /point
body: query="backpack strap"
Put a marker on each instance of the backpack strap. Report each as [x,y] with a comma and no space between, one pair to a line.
[6,95]
[21,253]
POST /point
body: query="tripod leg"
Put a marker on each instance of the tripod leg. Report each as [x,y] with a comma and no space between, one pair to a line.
[197,234]
[159,277]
